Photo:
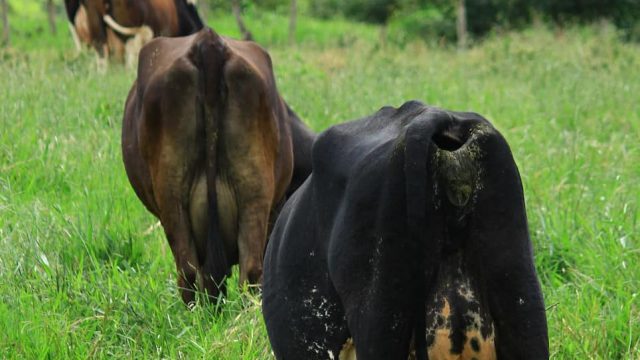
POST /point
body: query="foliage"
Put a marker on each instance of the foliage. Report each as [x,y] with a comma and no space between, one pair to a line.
[376,11]
[431,19]
[372,11]
[85,275]
[428,22]
[274,29]
[624,13]
[324,9]
[224,6]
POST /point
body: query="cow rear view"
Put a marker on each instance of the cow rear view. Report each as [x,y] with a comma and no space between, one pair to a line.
[208,145]
[409,240]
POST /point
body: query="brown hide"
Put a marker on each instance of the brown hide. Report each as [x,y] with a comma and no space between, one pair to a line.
[81,25]
[207,146]
[160,15]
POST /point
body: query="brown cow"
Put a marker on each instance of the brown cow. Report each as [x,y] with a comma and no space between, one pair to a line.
[211,149]
[115,28]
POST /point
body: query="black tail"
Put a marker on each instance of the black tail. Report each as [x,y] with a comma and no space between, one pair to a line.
[419,198]
[212,57]
[71,7]
[189,20]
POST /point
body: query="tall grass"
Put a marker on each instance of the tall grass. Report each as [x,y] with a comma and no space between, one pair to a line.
[84,274]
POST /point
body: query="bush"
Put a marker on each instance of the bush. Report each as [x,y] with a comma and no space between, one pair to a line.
[371,11]
[427,23]
[324,9]
[437,18]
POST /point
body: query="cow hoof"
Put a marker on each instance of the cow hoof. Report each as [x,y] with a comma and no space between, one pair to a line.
[253,276]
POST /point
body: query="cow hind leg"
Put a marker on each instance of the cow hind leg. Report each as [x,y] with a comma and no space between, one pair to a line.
[76,38]
[252,237]
[185,256]
[175,218]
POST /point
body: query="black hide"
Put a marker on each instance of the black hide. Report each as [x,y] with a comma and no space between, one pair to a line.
[411,226]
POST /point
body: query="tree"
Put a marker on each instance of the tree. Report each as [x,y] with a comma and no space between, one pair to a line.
[237,12]
[5,22]
[461,24]
[292,22]
[51,11]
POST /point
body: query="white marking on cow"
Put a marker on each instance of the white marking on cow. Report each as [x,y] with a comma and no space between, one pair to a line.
[476,318]
[465,291]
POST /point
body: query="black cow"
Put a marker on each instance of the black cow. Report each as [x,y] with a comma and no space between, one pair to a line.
[408,240]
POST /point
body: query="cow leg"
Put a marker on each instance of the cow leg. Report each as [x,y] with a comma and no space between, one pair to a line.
[115,45]
[76,39]
[174,217]
[252,238]
[254,181]
[184,253]
[131,51]
[101,60]
[503,255]
[171,187]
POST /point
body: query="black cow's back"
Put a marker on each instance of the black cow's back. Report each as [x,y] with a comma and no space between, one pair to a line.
[403,211]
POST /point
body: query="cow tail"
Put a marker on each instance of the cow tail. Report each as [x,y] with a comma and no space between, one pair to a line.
[212,57]
[71,7]
[420,201]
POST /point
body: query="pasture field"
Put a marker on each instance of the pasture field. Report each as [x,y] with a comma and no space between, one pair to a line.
[84,274]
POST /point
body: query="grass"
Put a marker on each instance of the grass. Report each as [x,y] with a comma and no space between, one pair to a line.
[81,275]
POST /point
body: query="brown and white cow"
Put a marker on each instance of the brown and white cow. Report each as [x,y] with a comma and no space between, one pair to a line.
[212,149]
[119,28]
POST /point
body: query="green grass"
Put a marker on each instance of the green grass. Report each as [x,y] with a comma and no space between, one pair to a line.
[82,277]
